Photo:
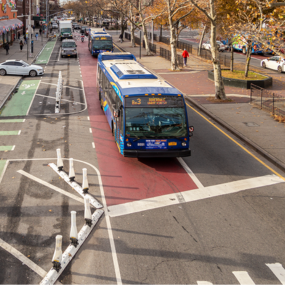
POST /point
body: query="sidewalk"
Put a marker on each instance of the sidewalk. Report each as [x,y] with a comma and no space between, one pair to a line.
[252,125]
[9,82]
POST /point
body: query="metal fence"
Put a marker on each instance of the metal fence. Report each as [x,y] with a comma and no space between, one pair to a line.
[266,100]
[224,60]
[152,47]
[127,36]
[167,55]
[182,45]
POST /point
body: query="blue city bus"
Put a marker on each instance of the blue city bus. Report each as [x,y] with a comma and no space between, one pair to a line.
[99,41]
[146,114]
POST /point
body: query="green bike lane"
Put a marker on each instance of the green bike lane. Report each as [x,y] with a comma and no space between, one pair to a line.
[44,57]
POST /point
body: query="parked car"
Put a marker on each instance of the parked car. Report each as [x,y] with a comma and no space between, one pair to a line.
[220,45]
[20,67]
[275,63]
[68,48]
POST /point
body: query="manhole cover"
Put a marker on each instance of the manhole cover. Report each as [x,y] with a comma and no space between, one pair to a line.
[251,124]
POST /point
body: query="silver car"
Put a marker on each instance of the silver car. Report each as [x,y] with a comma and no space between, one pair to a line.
[20,67]
[68,48]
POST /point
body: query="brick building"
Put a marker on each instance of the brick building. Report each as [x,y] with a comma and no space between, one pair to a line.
[10,25]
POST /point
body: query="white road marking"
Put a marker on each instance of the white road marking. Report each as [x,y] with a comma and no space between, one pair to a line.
[243,278]
[204,283]
[13,147]
[90,130]
[59,54]
[278,271]
[19,132]
[60,99]
[192,195]
[63,85]
[33,98]
[88,118]
[190,173]
[4,170]
[23,258]
[93,145]
[51,186]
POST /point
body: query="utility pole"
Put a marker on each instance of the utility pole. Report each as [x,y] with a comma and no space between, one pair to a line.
[29,29]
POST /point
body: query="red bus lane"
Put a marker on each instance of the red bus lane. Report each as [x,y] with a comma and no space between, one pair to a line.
[126,179]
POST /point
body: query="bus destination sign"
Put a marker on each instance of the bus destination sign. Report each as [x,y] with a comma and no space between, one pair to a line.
[167,101]
[101,38]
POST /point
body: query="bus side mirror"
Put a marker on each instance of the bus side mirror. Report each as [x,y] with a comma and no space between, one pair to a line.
[191,130]
[116,113]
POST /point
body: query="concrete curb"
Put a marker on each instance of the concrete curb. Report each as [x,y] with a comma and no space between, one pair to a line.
[20,79]
[250,143]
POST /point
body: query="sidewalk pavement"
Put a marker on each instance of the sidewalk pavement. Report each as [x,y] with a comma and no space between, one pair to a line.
[253,126]
[9,82]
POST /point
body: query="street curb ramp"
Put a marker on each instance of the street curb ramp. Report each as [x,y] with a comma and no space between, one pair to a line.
[250,143]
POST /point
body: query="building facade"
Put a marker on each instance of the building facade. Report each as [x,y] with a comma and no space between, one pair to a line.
[10,25]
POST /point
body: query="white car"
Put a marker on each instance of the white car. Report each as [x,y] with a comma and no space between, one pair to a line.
[55,26]
[220,45]
[274,62]
[20,67]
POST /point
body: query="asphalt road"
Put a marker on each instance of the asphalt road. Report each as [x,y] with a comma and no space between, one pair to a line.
[221,224]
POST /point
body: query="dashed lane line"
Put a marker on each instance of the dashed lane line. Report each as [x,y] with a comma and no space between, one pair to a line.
[63,85]
[23,258]
[278,271]
[13,121]
[9,133]
[243,277]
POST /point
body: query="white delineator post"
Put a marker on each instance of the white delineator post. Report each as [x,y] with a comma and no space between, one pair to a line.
[59,160]
[71,170]
[87,212]
[73,229]
[57,256]
[85,185]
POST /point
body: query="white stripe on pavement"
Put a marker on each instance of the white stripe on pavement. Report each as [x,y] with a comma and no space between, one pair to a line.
[278,271]
[192,195]
[243,278]
[204,283]
[23,258]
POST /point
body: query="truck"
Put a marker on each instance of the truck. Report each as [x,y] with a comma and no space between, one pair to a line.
[65,30]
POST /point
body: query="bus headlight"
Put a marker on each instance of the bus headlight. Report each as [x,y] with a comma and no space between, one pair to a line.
[129,144]
[184,144]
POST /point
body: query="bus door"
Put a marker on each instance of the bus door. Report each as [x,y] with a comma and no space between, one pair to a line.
[119,127]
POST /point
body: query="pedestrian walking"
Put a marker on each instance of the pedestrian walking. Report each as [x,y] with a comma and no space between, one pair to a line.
[32,34]
[25,39]
[121,38]
[40,31]
[36,36]
[34,27]
[6,47]
[21,45]
[185,54]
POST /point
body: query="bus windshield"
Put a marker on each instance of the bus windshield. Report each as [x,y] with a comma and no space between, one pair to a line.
[102,44]
[155,122]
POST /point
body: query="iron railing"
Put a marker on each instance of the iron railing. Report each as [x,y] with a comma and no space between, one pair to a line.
[268,101]
[127,36]
[167,55]
[152,47]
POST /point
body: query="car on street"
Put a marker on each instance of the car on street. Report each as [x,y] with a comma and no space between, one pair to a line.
[76,26]
[220,45]
[55,26]
[20,67]
[83,29]
[68,48]
[275,63]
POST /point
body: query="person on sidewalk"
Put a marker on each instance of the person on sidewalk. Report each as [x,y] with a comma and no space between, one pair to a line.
[19,35]
[185,54]
[21,45]
[121,38]
[40,31]
[6,47]
[25,39]
[36,35]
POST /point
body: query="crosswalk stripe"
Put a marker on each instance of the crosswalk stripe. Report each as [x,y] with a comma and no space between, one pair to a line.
[278,271]
[6,147]
[9,133]
[243,278]
[13,121]
[204,283]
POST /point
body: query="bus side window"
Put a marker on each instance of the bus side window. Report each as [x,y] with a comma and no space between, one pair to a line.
[100,75]
[122,120]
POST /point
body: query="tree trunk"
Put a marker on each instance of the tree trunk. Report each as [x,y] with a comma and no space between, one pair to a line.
[132,30]
[248,58]
[160,34]
[147,50]
[201,40]
[232,59]
[218,80]
[122,24]
[174,63]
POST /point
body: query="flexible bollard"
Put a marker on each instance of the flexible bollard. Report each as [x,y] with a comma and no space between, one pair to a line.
[71,170]
[57,256]
[73,229]
[85,185]
[59,160]
[87,212]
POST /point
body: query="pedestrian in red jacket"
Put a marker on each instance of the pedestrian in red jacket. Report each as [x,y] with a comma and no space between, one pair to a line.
[185,54]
